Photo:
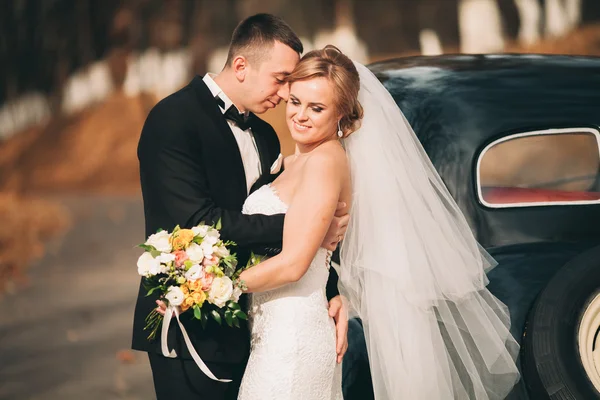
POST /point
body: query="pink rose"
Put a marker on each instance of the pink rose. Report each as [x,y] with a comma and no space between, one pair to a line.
[180,257]
[206,281]
[214,260]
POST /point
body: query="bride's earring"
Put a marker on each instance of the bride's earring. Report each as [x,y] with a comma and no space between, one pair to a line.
[340,133]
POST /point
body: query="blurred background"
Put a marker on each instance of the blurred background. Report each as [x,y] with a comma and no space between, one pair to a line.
[77,80]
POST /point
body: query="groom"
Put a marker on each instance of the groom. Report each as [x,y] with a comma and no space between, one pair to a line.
[201,152]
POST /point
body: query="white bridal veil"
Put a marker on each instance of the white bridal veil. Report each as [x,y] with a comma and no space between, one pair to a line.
[413,271]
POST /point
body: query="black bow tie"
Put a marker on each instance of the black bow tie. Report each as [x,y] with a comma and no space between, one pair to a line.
[234,115]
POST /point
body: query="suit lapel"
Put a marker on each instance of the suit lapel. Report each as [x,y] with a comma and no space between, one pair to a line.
[209,104]
[263,154]
[262,147]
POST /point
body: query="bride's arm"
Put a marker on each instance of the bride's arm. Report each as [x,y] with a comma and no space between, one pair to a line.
[306,223]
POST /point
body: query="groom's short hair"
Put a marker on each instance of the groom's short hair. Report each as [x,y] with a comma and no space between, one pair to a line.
[254,33]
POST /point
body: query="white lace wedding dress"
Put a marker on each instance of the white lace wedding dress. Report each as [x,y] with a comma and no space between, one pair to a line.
[292,353]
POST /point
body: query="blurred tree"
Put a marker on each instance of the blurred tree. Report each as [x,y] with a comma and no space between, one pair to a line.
[401,23]
[511,20]
[590,11]
[43,42]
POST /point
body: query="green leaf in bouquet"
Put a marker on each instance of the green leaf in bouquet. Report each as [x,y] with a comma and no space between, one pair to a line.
[152,290]
[230,263]
[236,322]
[229,318]
[218,227]
[254,260]
[155,253]
[159,230]
[197,312]
[197,240]
[218,271]
[204,320]
[147,247]
[228,270]
[215,315]
[240,314]
[233,305]
[188,264]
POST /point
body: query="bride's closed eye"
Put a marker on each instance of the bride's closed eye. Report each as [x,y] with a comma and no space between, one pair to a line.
[295,102]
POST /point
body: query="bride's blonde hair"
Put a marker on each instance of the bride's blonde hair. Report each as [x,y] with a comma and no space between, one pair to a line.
[332,64]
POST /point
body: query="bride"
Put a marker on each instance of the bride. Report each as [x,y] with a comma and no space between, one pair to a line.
[410,266]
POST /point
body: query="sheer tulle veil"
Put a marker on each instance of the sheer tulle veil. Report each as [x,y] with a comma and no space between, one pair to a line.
[413,271]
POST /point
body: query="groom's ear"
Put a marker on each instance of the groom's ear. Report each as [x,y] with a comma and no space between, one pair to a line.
[240,67]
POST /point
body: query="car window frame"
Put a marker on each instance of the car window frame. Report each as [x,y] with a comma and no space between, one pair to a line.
[550,131]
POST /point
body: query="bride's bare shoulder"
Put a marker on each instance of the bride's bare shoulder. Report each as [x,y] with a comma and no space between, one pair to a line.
[288,160]
[329,154]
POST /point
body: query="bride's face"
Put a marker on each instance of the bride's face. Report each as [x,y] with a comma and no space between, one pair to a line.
[311,113]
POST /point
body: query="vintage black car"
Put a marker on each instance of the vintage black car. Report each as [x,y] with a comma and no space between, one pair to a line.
[516,139]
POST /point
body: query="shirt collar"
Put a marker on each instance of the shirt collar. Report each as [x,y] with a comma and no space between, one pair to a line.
[218,92]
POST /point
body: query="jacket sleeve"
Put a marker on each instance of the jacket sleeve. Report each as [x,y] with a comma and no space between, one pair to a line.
[175,186]
[332,284]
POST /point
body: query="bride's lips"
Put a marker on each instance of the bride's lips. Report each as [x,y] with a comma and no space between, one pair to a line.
[300,127]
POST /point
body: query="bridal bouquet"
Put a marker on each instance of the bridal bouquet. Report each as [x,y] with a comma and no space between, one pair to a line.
[194,271]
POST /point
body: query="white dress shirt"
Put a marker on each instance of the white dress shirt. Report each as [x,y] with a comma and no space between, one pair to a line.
[244,139]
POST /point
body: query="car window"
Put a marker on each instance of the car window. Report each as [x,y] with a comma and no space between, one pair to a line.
[550,167]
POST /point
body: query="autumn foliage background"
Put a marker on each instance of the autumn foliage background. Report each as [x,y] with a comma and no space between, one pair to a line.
[92,149]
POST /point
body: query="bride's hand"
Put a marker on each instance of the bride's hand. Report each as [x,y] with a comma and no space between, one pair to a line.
[339,312]
[162,307]
[338,227]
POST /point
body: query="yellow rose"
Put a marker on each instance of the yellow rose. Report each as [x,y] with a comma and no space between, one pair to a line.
[187,303]
[181,239]
[194,285]
[199,297]
[185,289]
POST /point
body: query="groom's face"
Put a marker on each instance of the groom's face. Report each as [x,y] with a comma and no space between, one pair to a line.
[265,85]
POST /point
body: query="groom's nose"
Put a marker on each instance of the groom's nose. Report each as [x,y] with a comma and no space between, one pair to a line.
[284,92]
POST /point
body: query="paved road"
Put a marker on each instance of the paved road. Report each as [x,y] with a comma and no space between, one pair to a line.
[60,336]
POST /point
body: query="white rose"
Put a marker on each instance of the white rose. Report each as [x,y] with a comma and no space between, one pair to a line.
[166,258]
[212,237]
[201,230]
[174,295]
[195,253]
[237,292]
[160,241]
[207,249]
[148,265]
[194,273]
[220,251]
[220,291]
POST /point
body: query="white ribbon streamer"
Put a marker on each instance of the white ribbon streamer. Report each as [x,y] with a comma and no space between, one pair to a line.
[172,354]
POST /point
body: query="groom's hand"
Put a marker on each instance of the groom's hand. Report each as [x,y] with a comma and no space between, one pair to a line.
[338,227]
[337,310]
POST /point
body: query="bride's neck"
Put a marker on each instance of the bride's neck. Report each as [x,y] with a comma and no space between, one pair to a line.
[305,149]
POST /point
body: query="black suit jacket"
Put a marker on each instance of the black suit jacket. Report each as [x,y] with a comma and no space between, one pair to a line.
[191,171]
